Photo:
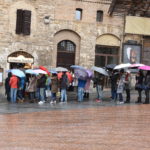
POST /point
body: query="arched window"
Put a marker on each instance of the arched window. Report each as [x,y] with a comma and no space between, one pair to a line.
[66,45]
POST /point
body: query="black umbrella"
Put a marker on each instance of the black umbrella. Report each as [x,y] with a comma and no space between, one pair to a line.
[111,66]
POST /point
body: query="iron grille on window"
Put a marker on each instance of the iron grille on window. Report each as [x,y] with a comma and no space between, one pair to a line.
[66,46]
[23,22]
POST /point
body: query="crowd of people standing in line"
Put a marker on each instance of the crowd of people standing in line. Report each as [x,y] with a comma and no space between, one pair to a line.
[38,88]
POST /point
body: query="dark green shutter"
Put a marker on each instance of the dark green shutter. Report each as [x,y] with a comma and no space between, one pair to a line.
[26,22]
[19,21]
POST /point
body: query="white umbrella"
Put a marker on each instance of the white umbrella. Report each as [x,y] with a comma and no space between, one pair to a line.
[39,71]
[100,70]
[122,66]
[17,72]
[61,69]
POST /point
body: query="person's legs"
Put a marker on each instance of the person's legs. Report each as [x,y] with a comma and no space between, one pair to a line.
[42,94]
[147,97]
[140,96]
[80,94]
[127,96]
[98,91]
[14,95]
[120,97]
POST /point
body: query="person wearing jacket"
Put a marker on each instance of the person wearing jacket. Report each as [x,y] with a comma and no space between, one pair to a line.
[64,84]
[139,81]
[81,86]
[32,88]
[120,87]
[41,85]
[54,87]
[7,86]
[127,85]
[13,88]
[21,87]
[147,87]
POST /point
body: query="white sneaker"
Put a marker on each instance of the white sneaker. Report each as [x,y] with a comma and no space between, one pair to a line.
[120,102]
[55,102]
[40,102]
[51,102]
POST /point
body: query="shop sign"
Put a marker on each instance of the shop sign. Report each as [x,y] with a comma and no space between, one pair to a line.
[20,59]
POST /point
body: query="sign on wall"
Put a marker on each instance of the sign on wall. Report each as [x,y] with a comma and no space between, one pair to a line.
[131,53]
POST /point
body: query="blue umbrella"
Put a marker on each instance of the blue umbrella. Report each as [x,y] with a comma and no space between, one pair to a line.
[17,72]
[76,67]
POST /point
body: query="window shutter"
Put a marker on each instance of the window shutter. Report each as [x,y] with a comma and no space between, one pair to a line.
[19,21]
[26,22]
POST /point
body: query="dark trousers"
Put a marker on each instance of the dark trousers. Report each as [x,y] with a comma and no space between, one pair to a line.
[128,95]
[147,96]
[120,97]
[140,95]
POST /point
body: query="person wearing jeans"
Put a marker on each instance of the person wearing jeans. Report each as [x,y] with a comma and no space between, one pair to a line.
[64,84]
[81,86]
[14,86]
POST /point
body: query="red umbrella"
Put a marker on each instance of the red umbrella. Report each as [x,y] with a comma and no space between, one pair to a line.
[70,78]
[44,69]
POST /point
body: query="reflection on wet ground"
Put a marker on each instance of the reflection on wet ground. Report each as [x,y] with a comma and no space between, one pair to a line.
[125,127]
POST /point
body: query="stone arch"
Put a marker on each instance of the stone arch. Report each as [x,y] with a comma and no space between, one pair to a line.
[20,57]
[67,35]
[108,39]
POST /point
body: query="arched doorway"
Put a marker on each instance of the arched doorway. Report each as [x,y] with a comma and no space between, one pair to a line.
[20,59]
[66,53]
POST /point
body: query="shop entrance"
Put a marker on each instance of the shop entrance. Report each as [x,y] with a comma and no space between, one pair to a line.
[20,59]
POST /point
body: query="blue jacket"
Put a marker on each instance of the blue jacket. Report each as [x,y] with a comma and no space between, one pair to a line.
[81,83]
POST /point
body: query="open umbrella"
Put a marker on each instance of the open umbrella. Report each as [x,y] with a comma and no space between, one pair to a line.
[136,65]
[70,78]
[76,67]
[44,69]
[30,71]
[100,70]
[122,66]
[39,71]
[61,69]
[111,66]
[17,72]
[145,68]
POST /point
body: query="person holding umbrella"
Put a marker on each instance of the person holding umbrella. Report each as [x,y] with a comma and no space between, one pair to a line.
[147,87]
[13,88]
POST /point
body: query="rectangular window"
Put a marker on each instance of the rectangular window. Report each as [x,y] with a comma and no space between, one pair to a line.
[78,14]
[23,22]
[99,17]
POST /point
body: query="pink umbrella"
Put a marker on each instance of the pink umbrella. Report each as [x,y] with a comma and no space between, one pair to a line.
[145,68]
[136,65]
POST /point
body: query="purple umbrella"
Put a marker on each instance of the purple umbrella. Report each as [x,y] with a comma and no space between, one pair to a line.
[81,74]
[90,73]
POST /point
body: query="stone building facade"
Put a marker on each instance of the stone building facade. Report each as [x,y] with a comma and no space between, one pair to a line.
[53,23]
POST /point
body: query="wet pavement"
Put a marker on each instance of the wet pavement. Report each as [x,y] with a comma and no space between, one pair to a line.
[86,125]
